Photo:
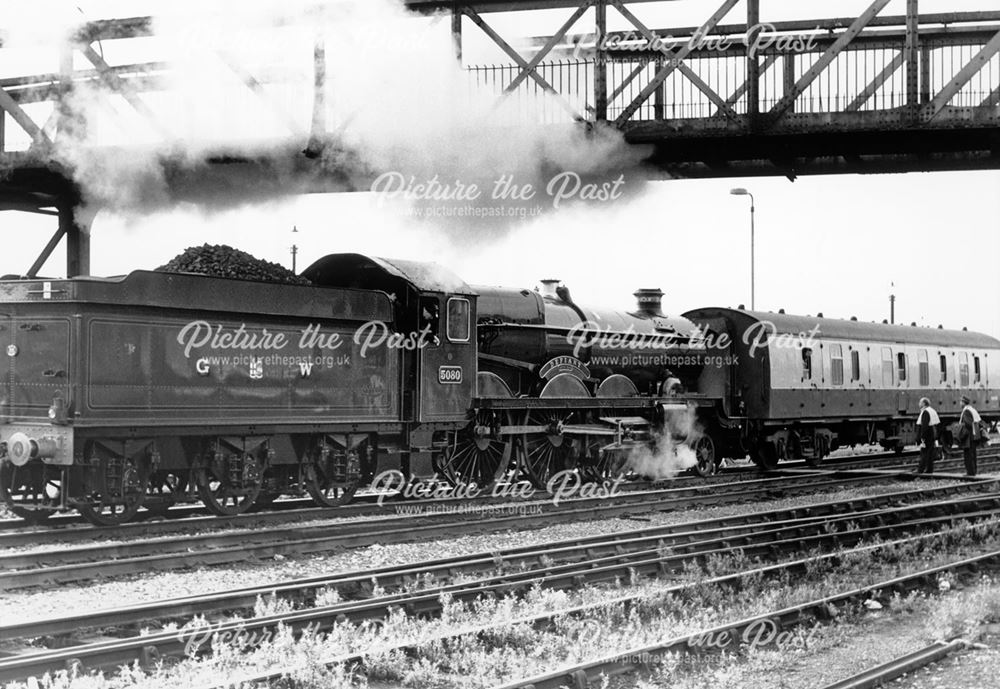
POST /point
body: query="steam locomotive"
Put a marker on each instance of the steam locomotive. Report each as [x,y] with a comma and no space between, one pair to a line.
[141,391]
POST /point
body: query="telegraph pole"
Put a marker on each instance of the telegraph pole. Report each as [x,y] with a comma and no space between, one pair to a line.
[892,304]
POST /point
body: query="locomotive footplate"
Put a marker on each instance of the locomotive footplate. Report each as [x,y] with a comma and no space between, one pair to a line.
[573,403]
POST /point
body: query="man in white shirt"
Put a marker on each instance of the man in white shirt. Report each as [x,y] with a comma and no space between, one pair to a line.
[968,434]
[927,423]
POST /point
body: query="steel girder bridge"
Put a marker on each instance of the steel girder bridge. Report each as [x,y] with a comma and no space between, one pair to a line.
[866,94]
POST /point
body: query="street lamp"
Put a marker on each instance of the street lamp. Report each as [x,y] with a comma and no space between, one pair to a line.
[740,191]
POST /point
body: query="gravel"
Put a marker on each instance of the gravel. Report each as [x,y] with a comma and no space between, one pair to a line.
[78,598]
[840,651]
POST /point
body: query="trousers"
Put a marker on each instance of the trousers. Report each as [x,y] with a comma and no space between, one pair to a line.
[926,465]
[969,454]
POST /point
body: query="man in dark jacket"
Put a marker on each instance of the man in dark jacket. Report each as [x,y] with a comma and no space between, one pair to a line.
[927,423]
[968,434]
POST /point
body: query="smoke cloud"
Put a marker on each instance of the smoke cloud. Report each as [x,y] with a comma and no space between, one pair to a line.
[225,115]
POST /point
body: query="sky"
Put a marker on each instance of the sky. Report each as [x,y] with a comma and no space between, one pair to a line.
[833,244]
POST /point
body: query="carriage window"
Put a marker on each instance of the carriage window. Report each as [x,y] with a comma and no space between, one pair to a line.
[977,376]
[925,370]
[901,367]
[458,320]
[944,369]
[807,363]
[836,364]
[855,365]
[886,366]
[963,369]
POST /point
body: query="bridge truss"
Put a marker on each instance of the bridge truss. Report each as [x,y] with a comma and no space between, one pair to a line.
[730,97]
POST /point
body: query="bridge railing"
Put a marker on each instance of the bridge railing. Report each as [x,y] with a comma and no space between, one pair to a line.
[868,75]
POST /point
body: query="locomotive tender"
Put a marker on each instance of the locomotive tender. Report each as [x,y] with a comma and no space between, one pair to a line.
[144,390]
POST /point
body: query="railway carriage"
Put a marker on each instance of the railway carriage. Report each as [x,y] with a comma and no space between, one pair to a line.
[805,385]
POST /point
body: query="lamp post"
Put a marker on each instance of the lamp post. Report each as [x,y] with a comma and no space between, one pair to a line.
[740,191]
[295,249]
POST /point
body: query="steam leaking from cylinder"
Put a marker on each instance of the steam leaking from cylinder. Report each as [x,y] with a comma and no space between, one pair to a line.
[671,451]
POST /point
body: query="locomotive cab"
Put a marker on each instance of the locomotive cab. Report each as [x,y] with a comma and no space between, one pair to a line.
[433,328]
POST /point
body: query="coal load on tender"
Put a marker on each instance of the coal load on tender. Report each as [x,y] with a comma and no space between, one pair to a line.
[226,262]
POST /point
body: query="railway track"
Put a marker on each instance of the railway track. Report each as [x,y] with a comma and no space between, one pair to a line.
[290,510]
[73,528]
[61,563]
[897,667]
[659,551]
[583,675]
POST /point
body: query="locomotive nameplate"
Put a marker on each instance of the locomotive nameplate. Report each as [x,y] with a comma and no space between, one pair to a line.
[564,364]
[449,375]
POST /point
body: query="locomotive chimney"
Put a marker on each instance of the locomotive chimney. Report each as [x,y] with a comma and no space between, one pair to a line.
[548,288]
[649,301]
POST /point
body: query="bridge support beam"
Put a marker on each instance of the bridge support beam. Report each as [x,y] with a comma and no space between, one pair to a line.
[912,56]
[601,62]
[77,233]
[456,31]
[753,67]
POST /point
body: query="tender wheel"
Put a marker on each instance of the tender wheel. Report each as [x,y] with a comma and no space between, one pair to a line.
[473,457]
[543,455]
[230,485]
[705,458]
[328,485]
[31,491]
[115,490]
[325,490]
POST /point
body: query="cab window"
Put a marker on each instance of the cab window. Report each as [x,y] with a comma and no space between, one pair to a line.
[807,363]
[944,368]
[430,318]
[977,373]
[901,367]
[963,369]
[458,320]
[855,365]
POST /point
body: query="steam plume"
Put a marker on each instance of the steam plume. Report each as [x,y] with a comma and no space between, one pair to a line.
[671,451]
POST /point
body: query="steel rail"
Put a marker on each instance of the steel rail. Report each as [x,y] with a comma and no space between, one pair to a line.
[882,674]
[731,531]
[15,533]
[577,679]
[235,547]
[643,562]
[189,515]
[394,575]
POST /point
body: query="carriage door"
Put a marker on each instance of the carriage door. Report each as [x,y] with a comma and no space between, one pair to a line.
[903,378]
[448,361]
